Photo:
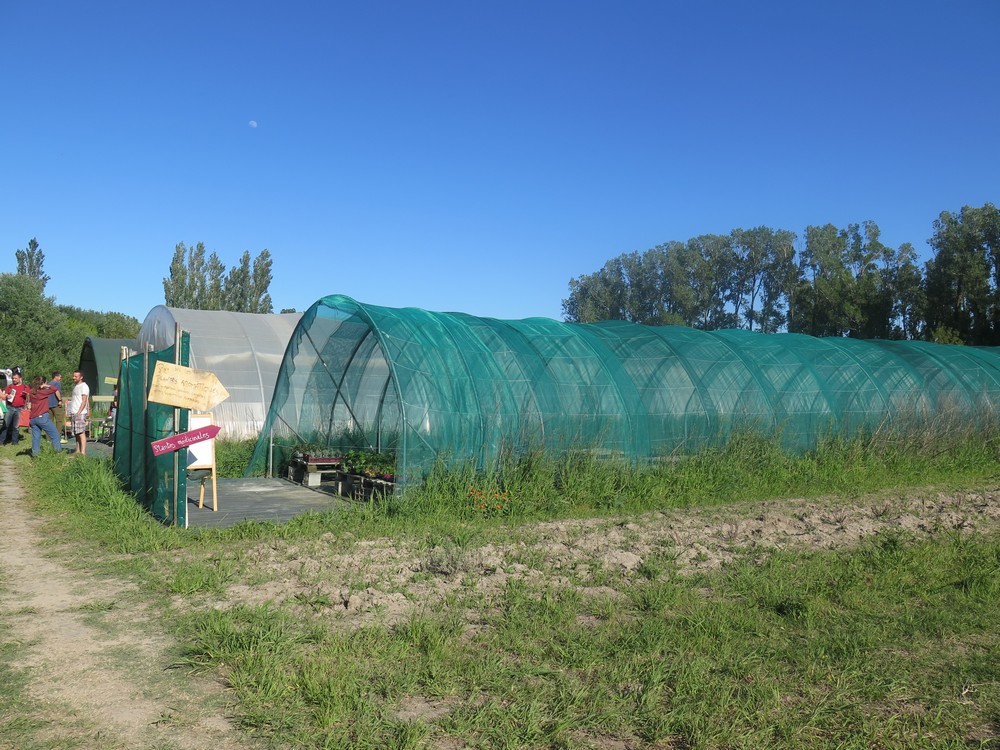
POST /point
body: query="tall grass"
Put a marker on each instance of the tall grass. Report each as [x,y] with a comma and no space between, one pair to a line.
[86,498]
[533,485]
[749,466]
[232,457]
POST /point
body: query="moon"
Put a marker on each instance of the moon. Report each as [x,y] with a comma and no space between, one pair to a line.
[253,123]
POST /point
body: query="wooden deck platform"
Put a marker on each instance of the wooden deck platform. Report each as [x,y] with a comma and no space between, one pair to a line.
[275,500]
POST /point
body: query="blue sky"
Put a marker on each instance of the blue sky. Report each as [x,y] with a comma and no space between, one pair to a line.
[474,156]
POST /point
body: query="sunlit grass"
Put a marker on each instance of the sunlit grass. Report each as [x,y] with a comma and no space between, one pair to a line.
[891,644]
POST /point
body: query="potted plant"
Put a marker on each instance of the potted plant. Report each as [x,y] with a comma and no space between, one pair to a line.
[371,465]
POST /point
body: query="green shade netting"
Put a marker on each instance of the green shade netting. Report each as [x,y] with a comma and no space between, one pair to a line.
[159,483]
[432,385]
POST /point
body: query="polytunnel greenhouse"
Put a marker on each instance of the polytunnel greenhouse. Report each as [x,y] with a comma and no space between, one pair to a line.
[100,361]
[244,350]
[450,386]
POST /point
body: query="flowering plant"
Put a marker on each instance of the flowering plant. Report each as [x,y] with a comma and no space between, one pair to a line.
[489,504]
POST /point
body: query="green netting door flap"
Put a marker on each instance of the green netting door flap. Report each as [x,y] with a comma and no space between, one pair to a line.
[159,483]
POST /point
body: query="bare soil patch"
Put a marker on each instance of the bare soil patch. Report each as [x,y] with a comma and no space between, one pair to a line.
[387,580]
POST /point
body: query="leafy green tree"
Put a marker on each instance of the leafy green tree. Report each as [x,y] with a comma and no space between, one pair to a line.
[764,276]
[709,262]
[945,335]
[183,287]
[843,282]
[260,282]
[38,336]
[962,279]
[105,325]
[643,283]
[597,296]
[907,281]
[631,287]
[682,284]
[215,283]
[853,285]
[31,262]
[872,295]
[823,286]
[236,290]
[116,325]
[245,288]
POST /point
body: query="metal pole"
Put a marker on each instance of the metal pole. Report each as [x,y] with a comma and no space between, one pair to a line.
[146,493]
[177,418]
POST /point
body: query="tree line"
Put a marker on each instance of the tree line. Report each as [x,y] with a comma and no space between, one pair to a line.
[41,335]
[44,336]
[830,282]
[199,283]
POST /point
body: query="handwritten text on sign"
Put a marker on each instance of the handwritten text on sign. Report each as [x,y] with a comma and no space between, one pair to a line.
[183,440]
[185,387]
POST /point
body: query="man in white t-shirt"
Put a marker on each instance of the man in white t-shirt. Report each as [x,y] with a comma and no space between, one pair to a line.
[79,411]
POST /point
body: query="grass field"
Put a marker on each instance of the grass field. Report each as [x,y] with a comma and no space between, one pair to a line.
[576,604]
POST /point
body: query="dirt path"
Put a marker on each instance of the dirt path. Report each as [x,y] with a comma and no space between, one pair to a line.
[99,675]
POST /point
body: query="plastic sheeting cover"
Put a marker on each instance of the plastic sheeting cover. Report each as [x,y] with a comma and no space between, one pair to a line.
[244,350]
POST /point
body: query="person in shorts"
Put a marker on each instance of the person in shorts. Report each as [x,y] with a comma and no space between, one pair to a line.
[78,412]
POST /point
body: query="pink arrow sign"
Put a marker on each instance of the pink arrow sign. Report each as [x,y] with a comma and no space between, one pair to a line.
[183,440]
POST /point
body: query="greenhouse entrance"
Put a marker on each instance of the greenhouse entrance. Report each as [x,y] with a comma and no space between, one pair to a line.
[255,499]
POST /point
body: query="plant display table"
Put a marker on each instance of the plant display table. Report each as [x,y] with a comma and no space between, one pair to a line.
[358,475]
[314,471]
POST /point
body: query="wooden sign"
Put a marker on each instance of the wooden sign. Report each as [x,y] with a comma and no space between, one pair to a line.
[183,440]
[185,387]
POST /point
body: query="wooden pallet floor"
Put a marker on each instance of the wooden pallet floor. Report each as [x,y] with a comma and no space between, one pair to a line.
[275,500]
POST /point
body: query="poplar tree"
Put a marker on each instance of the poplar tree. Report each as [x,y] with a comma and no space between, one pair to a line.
[199,283]
[30,262]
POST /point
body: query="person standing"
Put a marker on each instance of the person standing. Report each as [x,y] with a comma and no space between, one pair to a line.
[56,403]
[79,411]
[113,413]
[40,419]
[16,394]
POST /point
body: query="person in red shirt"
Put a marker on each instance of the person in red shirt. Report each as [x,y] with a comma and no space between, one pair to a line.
[40,419]
[16,394]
